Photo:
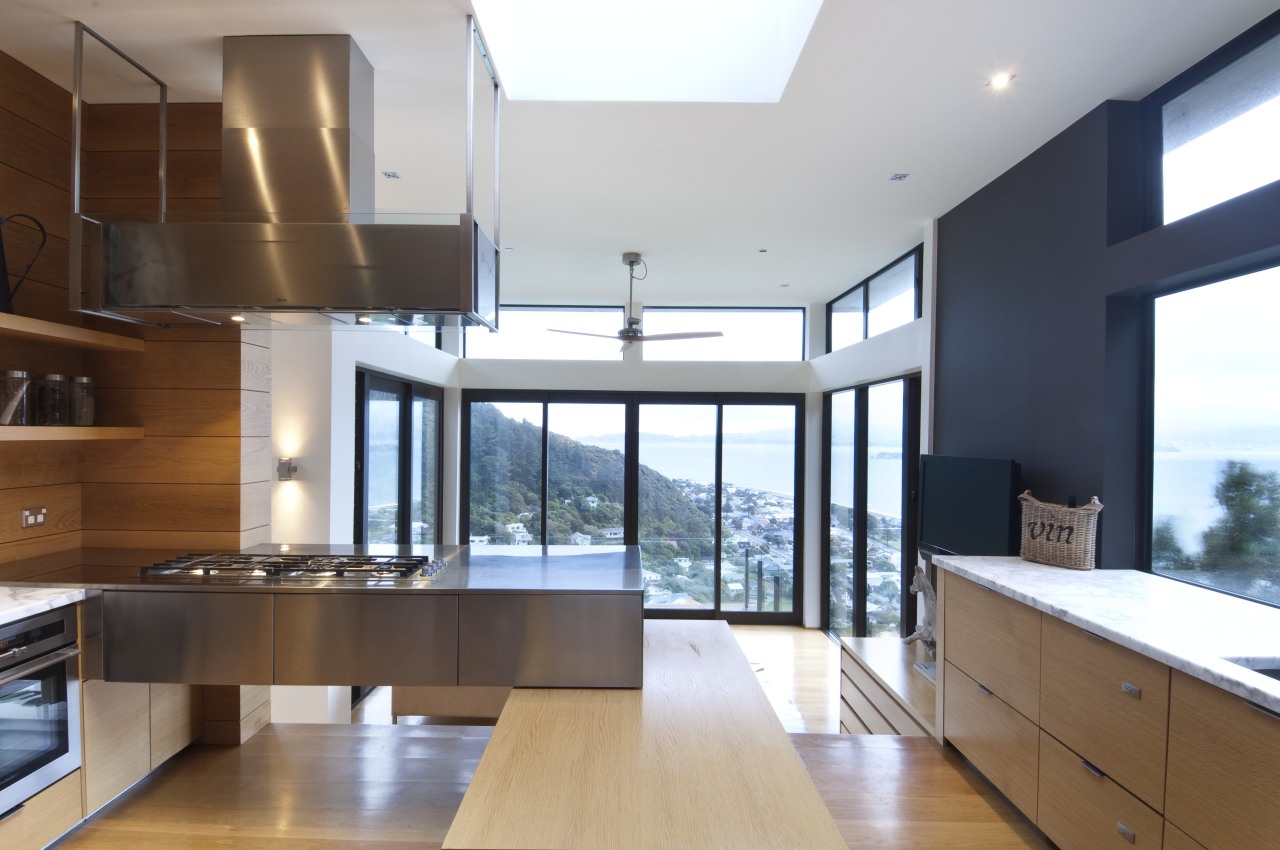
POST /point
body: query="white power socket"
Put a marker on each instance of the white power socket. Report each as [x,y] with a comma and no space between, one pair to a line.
[33,517]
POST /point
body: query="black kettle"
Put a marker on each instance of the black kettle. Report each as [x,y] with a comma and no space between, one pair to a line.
[6,294]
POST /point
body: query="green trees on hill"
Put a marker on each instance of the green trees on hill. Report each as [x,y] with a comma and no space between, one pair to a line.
[1241,551]
[506,480]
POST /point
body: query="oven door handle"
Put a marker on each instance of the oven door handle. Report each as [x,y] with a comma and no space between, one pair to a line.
[37,664]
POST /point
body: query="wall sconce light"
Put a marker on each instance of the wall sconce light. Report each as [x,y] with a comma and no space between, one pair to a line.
[285,468]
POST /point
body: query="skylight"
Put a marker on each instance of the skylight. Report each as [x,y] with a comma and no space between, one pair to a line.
[728,51]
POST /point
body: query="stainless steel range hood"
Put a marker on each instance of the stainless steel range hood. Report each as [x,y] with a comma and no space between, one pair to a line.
[298,233]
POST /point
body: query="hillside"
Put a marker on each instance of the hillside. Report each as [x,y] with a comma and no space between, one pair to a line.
[506,457]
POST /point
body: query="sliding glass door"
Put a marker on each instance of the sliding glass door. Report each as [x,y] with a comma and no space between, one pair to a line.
[872,460]
[706,485]
[398,445]
[677,522]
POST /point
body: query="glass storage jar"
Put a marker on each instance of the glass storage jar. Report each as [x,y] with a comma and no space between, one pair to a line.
[81,401]
[51,400]
[14,385]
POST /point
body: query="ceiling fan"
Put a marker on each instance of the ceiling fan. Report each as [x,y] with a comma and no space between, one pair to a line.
[632,333]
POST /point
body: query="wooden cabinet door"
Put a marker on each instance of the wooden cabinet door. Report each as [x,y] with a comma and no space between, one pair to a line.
[996,641]
[1083,809]
[1108,704]
[117,738]
[1176,839]
[1224,767]
[44,817]
[175,720]
[999,741]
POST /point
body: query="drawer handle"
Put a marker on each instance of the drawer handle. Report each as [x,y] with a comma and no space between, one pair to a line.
[987,691]
[1131,690]
[1094,635]
[1126,833]
[1267,711]
[12,812]
[1092,769]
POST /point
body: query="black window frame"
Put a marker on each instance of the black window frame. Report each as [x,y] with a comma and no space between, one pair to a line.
[1146,460]
[631,476]
[370,379]
[865,286]
[912,387]
[1152,108]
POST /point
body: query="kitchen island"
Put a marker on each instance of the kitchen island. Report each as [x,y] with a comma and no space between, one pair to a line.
[499,616]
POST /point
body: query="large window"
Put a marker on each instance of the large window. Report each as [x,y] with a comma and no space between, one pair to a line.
[872,458]
[533,333]
[1215,461]
[888,299]
[705,484]
[748,333]
[397,460]
[1219,125]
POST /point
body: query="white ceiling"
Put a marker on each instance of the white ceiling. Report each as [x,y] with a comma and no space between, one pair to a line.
[882,86]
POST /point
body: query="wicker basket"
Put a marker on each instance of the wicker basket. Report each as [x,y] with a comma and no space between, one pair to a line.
[1059,535]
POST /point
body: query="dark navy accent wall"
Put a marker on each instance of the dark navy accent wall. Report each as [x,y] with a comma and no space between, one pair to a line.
[1041,314]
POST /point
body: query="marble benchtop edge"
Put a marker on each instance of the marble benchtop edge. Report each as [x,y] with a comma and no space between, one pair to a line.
[19,602]
[1191,629]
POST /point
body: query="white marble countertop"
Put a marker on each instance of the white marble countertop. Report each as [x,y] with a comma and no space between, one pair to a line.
[1190,628]
[19,602]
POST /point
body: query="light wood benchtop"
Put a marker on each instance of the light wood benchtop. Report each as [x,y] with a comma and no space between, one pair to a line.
[696,759]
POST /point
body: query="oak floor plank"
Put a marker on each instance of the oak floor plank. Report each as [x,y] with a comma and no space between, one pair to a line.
[893,793]
[295,786]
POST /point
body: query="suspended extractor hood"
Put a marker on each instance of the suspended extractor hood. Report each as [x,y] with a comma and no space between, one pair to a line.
[298,233]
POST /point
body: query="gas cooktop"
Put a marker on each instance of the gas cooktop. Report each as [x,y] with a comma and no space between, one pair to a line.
[234,566]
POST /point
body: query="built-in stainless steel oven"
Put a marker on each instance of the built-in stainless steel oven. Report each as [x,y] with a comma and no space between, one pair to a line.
[39,704]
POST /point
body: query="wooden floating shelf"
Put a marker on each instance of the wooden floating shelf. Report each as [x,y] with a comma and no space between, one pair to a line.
[52,333]
[13,433]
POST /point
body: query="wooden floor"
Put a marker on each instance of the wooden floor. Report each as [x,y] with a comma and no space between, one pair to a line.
[893,793]
[297,786]
[381,786]
[799,670]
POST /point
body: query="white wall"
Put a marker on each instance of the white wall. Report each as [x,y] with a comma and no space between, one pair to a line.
[313,410]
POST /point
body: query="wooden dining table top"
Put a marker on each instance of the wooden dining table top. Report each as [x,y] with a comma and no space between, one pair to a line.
[697,758]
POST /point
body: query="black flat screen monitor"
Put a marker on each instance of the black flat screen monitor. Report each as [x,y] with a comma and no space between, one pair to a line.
[969,505]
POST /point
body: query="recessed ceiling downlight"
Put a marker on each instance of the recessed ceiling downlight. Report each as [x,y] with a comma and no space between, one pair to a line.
[1001,80]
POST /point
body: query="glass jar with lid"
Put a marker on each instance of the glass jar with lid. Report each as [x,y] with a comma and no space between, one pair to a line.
[14,395]
[81,404]
[52,401]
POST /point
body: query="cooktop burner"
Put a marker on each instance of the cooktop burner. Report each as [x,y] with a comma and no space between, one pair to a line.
[284,566]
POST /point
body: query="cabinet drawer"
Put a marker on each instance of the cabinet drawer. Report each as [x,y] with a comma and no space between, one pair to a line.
[1176,839]
[1224,767]
[1107,703]
[995,640]
[1081,809]
[999,741]
[44,817]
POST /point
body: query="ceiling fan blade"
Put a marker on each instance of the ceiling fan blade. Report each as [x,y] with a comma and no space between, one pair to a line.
[582,333]
[688,335]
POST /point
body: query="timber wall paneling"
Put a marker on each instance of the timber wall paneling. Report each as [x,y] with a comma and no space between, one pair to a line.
[200,477]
